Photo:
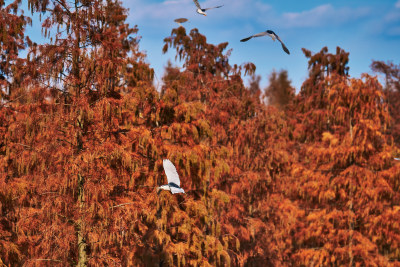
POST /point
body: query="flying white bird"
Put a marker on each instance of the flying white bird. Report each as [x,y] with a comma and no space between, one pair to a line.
[180,20]
[202,11]
[397,158]
[172,177]
[271,34]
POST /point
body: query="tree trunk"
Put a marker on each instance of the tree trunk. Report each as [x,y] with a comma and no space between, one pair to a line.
[76,54]
[351,212]
[82,256]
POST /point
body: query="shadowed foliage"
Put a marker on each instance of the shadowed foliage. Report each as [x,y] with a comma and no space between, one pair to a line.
[279,91]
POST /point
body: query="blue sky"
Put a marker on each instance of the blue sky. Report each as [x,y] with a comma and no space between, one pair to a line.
[368,29]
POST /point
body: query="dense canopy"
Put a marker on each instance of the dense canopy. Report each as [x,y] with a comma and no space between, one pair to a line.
[272,178]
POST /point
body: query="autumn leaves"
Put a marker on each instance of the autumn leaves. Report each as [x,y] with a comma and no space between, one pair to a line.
[307,180]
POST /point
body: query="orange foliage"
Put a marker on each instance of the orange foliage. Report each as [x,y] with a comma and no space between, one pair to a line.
[392,94]
[342,179]
[83,135]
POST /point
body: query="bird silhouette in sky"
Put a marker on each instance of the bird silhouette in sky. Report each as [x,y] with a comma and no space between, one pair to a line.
[271,34]
[180,20]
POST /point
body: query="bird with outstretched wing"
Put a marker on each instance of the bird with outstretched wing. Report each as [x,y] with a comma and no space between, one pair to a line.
[271,34]
[202,11]
[172,177]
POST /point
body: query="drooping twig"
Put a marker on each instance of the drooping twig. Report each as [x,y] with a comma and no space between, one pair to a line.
[47,193]
[121,205]
[46,260]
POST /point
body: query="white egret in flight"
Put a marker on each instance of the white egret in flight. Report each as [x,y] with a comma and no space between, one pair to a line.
[172,177]
[202,11]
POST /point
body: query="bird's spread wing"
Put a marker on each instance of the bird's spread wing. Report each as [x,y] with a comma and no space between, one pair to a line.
[170,171]
[197,4]
[208,8]
[260,34]
[255,35]
[246,39]
[181,20]
[283,45]
[285,48]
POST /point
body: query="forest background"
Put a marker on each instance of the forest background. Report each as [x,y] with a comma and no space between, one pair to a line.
[273,177]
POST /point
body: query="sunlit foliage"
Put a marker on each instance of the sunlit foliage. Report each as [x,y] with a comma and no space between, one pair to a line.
[391,74]
[309,180]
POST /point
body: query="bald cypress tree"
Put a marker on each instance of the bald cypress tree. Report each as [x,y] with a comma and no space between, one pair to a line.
[391,74]
[59,161]
[343,179]
[279,92]
[12,41]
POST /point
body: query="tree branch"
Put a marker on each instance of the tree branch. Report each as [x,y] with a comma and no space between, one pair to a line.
[63,5]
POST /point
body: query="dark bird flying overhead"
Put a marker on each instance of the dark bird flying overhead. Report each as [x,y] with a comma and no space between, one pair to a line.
[180,20]
[271,34]
[202,11]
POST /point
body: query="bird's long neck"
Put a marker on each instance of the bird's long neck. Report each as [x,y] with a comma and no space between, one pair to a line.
[164,187]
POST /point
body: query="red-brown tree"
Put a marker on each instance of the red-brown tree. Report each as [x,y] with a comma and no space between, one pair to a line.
[344,177]
[279,92]
[83,133]
[392,94]
[12,41]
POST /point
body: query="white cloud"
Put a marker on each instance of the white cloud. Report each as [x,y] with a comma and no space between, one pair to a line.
[146,10]
[322,15]
[171,9]
[171,2]
[390,24]
[308,18]
[397,5]
[392,16]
